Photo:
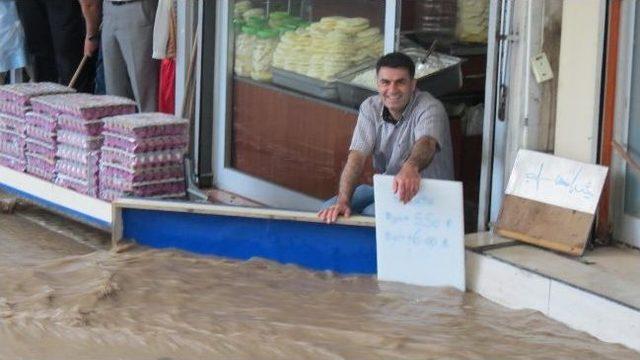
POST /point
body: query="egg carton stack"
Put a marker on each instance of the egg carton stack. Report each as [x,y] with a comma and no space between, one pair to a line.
[143,156]
[15,127]
[79,124]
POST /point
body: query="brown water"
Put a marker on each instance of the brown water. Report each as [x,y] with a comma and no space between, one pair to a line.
[63,295]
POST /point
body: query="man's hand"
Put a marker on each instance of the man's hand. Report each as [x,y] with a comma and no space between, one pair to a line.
[90,46]
[330,214]
[407,182]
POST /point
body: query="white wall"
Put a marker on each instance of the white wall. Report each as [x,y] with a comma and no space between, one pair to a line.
[577,113]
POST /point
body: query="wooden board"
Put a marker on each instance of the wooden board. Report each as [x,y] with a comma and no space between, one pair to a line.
[551,201]
[545,225]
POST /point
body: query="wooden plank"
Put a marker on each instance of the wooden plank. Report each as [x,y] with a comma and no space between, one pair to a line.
[545,225]
[211,209]
[218,196]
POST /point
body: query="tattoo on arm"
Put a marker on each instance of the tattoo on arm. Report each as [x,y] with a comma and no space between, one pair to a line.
[350,175]
[422,152]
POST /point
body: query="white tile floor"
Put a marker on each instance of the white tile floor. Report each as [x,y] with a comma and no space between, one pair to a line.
[598,293]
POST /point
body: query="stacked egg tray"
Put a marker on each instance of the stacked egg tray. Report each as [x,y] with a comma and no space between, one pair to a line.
[24,145]
[77,120]
[143,156]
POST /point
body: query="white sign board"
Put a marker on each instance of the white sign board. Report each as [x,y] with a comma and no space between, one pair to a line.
[557,181]
[421,242]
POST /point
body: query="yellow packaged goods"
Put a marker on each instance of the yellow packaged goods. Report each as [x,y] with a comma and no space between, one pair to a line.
[328,46]
[240,7]
[253,13]
[472,20]
[265,45]
[244,45]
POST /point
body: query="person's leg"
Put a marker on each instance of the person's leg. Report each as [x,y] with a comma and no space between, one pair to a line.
[137,48]
[67,33]
[369,210]
[115,69]
[361,199]
[33,17]
[100,86]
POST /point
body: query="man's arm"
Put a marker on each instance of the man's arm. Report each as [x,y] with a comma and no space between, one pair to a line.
[348,180]
[91,11]
[407,182]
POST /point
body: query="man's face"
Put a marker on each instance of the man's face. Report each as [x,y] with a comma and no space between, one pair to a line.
[395,86]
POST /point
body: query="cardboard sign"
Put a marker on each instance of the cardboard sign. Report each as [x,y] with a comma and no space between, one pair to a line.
[421,242]
[557,181]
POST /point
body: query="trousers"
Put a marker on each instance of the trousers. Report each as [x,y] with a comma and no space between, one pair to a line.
[127,44]
[54,33]
[362,201]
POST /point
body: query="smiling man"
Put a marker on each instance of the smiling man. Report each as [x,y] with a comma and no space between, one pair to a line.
[407,133]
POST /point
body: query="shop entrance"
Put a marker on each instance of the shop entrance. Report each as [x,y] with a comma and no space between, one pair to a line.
[282,130]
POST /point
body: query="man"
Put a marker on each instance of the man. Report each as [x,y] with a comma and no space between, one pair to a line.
[406,131]
[57,37]
[127,43]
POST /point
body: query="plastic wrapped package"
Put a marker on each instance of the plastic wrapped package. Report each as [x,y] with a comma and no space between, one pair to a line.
[140,188]
[84,106]
[12,144]
[244,44]
[8,107]
[40,166]
[13,162]
[136,145]
[141,160]
[36,132]
[80,140]
[12,123]
[472,20]
[78,155]
[175,188]
[82,186]
[262,56]
[107,194]
[44,148]
[21,93]
[43,121]
[87,127]
[145,125]
[144,175]
[78,170]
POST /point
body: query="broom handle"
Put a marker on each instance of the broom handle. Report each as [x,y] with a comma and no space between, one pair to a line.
[72,83]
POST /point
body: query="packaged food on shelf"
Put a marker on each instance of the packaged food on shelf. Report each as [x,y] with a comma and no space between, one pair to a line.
[244,45]
[262,56]
[328,46]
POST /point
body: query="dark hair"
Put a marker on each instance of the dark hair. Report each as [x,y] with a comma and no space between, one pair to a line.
[397,60]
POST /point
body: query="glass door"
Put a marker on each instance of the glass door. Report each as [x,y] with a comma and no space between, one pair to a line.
[281,133]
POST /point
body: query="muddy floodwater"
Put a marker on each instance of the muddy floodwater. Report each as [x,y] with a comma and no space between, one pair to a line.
[65,295]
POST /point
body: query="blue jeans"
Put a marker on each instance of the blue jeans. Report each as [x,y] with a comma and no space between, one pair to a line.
[361,201]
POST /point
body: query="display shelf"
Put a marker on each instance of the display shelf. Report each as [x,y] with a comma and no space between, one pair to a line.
[80,207]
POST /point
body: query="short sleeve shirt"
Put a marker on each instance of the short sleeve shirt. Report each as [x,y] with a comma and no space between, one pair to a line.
[391,144]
